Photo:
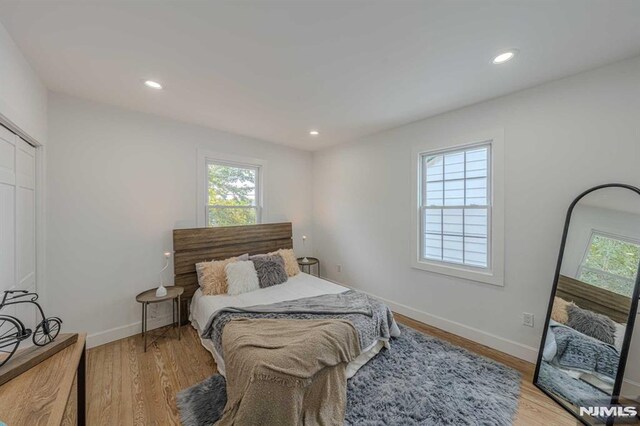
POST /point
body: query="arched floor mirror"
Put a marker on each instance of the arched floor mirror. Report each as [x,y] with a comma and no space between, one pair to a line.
[592,309]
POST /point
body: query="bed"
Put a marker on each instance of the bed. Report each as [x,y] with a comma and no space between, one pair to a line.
[577,366]
[196,245]
[301,286]
[582,357]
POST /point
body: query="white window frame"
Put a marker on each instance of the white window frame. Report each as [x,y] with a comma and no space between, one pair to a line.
[594,233]
[205,158]
[494,272]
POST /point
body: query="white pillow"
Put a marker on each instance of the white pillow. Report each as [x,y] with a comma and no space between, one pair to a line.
[241,277]
[619,336]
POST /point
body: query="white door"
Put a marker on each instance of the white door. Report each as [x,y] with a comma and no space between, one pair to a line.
[25,216]
[17,221]
[7,209]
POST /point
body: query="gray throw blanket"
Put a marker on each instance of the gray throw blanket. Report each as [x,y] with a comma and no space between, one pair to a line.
[584,353]
[372,319]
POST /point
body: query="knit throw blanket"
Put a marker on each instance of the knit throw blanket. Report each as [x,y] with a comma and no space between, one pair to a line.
[372,319]
[287,372]
[580,352]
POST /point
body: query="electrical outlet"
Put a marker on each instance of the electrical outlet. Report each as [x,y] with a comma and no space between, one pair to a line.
[339,268]
[527,319]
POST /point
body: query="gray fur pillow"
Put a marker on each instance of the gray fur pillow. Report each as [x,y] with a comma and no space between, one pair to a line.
[598,326]
[270,270]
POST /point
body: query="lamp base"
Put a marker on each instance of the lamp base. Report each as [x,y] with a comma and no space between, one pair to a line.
[161,291]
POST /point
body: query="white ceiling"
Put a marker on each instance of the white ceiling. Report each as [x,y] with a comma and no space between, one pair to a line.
[276,69]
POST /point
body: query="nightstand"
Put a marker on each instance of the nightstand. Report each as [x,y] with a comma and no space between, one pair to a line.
[308,264]
[149,296]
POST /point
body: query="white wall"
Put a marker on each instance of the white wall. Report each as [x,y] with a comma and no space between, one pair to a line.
[118,183]
[560,139]
[23,97]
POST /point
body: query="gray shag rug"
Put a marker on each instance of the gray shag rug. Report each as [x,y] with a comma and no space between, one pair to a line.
[421,380]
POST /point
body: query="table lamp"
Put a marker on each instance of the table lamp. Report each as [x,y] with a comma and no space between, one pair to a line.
[162,291]
[304,241]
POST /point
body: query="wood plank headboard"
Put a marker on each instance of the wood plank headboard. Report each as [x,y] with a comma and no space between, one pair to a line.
[196,245]
[596,299]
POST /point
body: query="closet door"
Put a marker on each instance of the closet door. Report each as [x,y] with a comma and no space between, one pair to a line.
[7,209]
[25,216]
[26,227]
[17,222]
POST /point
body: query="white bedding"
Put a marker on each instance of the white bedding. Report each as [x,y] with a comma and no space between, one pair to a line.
[297,287]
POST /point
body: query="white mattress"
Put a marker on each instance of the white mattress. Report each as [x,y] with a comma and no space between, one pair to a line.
[302,285]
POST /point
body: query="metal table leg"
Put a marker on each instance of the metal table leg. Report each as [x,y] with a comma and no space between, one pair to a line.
[179,317]
[144,325]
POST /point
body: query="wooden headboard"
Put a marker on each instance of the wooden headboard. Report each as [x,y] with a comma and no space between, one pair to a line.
[596,299]
[196,245]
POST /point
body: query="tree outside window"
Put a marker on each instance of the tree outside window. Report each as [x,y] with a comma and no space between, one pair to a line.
[233,194]
[611,263]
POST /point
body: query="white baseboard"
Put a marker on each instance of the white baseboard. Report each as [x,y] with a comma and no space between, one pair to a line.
[507,346]
[117,333]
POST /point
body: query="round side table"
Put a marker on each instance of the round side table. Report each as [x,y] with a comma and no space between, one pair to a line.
[308,264]
[149,296]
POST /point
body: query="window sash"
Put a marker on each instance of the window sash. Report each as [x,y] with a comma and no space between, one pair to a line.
[256,170]
[583,264]
[257,201]
[424,207]
[462,235]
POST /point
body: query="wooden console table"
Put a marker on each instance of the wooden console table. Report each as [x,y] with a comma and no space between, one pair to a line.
[42,395]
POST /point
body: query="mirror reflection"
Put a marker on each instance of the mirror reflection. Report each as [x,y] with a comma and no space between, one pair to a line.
[592,302]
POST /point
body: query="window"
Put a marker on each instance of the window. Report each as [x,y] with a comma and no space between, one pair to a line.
[458,219]
[611,263]
[230,190]
[455,206]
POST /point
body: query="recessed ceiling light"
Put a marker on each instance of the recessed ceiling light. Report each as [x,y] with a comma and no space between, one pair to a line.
[505,56]
[153,84]
[314,133]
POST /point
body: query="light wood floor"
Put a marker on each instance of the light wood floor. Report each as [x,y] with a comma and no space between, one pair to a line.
[126,386]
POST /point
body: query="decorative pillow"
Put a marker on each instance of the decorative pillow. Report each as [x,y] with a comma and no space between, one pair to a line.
[241,277]
[619,339]
[290,261]
[270,270]
[559,311]
[598,326]
[211,275]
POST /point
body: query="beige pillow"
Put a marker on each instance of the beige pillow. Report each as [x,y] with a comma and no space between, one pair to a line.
[559,311]
[290,261]
[212,277]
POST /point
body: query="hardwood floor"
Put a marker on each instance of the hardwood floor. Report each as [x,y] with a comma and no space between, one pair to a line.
[127,386]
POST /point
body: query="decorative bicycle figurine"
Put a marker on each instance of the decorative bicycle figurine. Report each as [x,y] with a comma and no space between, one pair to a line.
[13,331]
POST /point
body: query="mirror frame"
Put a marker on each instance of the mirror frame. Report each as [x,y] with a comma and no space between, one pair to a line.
[626,343]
